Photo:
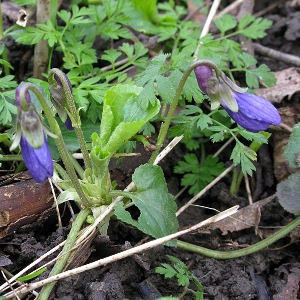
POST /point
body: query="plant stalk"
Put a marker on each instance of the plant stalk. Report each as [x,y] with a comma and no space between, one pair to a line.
[74,115]
[216,254]
[165,126]
[64,154]
[65,253]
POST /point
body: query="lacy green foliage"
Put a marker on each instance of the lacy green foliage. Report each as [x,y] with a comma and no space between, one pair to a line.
[157,207]
[244,155]
[198,174]
[7,109]
[288,193]
[292,150]
[183,275]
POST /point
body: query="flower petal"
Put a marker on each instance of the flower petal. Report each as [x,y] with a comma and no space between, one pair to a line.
[255,113]
[37,160]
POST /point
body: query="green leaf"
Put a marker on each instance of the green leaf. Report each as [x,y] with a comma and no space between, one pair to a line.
[225,23]
[244,156]
[197,175]
[165,89]
[233,49]
[167,270]
[111,55]
[254,28]
[7,110]
[204,121]
[155,68]
[148,9]
[292,150]
[7,82]
[157,207]
[147,95]
[253,136]
[288,193]
[32,275]
[248,60]
[261,73]
[68,195]
[123,116]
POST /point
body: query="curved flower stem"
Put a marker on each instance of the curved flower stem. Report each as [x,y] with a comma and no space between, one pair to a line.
[65,253]
[76,123]
[59,140]
[241,252]
[165,126]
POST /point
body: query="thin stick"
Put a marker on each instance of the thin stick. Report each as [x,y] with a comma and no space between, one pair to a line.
[13,291]
[277,55]
[123,254]
[203,191]
[205,30]
[56,204]
[168,149]
[224,146]
[229,8]
[247,185]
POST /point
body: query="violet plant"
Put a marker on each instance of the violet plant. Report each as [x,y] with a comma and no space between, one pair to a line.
[129,105]
[122,118]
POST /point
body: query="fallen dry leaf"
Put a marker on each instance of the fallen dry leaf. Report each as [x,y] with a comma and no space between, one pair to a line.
[195,14]
[288,83]
[244,218]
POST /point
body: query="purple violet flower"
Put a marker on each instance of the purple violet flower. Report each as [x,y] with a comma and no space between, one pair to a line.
[251,112]
[30,135]
[37,160]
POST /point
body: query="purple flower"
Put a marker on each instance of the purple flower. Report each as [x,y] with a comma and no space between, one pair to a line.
[251,112]
[30,135]
[37,160]
[255,113]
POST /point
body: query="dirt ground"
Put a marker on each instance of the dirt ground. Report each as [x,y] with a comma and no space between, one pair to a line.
[273,273]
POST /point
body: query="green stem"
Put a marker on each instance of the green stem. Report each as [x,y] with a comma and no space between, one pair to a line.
[235,184]
[77,166]
[165,126]
[53,11]
[11,158]
[59,140]
[61,172]
[65,253]
[74,114]
[241,252]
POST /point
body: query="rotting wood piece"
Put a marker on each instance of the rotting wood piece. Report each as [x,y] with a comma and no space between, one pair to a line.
[22,203]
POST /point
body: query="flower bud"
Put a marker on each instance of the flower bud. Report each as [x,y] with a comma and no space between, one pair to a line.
[22,104]
[60,86]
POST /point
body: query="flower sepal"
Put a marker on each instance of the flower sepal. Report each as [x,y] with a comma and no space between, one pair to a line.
[32,127]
